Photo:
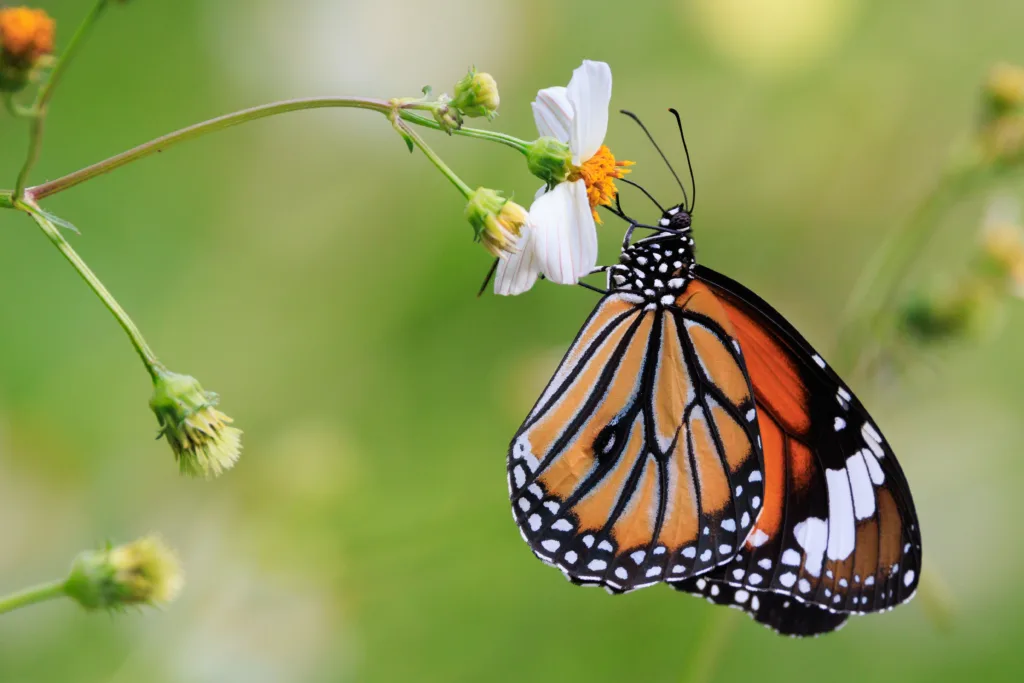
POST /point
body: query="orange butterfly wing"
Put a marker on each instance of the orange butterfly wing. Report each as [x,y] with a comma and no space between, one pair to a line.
[640,462]
[838,530]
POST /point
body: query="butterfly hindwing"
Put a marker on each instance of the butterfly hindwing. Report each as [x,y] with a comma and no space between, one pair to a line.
[838,529]
[638,463]
[781,613]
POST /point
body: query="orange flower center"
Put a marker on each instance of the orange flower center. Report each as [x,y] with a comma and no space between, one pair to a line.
[599,172]
[25,35]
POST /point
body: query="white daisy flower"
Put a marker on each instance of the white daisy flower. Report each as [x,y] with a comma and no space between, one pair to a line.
[561,240]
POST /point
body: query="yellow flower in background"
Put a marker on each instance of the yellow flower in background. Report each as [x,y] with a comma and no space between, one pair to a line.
[26,36]
[770,37]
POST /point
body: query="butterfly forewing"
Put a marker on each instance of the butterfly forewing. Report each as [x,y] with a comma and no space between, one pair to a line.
[838,529]
[639,462]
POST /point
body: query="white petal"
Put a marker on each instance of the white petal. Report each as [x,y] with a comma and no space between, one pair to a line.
[565,237]
[517,272]
[590,92]
[552,112]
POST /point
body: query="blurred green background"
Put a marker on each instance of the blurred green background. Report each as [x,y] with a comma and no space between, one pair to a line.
[322,280]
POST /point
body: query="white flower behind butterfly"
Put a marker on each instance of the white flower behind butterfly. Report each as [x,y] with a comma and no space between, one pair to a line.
[561,240]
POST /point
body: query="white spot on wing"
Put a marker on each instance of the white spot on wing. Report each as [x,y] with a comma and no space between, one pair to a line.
[860,483]
[758,538]
[874,469]
[788,579]
[791,558]
[818,359]
[812,535]
[841,524]
[550,545]
[520,476]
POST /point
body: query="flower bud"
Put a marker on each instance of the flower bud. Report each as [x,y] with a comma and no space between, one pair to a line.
[1004,89]
[26,37]
[449,117]
[1003,254]
[497,221]
[477,95]
[968,310]
[143,572]
[549,159]
[203,442]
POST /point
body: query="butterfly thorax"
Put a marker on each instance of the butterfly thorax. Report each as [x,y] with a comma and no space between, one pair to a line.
[657,268]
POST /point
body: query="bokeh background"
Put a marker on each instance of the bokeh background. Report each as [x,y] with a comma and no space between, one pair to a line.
[323,281]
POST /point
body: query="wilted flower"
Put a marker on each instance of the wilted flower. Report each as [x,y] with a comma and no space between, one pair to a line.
[143,572]
[561,242]
[26,36]
[476,95]
[201,437]
[497,221]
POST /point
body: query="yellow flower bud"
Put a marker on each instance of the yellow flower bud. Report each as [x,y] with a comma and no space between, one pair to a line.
[143,572]
[496,220]
[1004,88]
[477,95]
[201,437]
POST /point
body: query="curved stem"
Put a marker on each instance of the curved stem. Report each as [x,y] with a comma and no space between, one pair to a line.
[480,134]
[33,595]
[884,277]
[405,130]
[38,110]
[194,131]
[149,359]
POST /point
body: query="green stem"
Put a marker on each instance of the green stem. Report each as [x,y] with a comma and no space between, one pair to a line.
[197,130]
[153,365]
[46,92]
[883,279]
[33,595]
[480,134]
[405,130]
[713,643]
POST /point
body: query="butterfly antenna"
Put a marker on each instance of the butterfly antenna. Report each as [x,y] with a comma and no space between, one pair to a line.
[637,186]
[487,280]
[650,137]
[689,165]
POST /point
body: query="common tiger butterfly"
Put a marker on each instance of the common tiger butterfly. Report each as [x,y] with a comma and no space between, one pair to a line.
[692,436]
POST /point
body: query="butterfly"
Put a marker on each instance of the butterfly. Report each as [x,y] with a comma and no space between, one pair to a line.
[692,436]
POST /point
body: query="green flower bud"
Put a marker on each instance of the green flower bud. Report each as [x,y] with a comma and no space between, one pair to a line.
[203,442]
[549,159]
[497,221]
[143,572]
[477,95]
[449,117]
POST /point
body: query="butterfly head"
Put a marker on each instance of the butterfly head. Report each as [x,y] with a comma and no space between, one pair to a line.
[676,219]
